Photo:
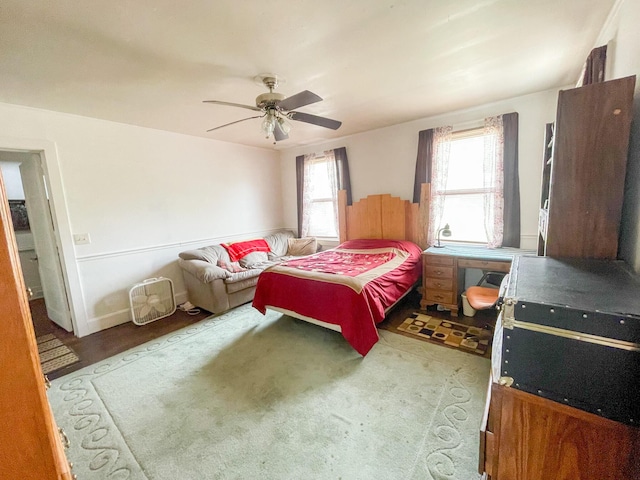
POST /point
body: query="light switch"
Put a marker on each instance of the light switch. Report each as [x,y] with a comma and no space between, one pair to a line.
[81,238]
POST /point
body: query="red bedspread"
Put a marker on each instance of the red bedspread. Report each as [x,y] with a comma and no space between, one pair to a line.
[350,286]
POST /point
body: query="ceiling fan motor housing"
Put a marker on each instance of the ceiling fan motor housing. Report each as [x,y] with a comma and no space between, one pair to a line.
[269,99]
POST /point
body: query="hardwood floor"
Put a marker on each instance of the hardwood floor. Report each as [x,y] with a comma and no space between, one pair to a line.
[106,343]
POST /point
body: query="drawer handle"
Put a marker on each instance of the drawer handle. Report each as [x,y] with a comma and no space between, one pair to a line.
[438,284]
[65,440]
[439,272]
[47,383]
[438,297]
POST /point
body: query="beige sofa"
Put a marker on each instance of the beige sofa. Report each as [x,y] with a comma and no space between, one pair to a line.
[216,284]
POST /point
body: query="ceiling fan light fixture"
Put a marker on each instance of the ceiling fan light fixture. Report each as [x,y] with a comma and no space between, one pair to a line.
[268,125]
[284,125]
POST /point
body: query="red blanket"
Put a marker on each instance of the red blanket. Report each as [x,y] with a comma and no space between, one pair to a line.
[378,273]
[238,250]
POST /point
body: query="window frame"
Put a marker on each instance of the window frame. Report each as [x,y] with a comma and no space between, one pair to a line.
[324,158]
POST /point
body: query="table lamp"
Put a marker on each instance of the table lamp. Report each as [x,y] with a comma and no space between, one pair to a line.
[445,232]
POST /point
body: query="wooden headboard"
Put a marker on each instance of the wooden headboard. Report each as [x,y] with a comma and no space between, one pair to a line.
[384,216]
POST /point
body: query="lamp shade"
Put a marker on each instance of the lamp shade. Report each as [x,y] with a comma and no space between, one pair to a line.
[445,232]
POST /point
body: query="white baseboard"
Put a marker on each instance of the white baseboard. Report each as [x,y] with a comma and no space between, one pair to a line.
[119,317]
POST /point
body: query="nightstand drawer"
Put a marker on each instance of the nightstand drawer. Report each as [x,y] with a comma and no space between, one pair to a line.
[438,260]
[440,296]
[437,271]
[485,265]
[438,283]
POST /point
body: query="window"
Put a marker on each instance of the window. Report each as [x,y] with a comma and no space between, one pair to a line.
[464,193]
[467,192]
[322,197]
[319,177]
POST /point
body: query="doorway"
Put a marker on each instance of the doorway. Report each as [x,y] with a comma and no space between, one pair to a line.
[26,188]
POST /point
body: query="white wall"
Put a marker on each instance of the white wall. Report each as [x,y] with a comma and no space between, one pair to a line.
[622,36]
[143,196]
[383,161]
[12,179]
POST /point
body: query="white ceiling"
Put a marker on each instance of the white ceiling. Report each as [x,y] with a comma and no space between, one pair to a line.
[375,63]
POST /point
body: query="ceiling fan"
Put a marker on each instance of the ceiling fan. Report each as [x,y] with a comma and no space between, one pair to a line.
[276,109]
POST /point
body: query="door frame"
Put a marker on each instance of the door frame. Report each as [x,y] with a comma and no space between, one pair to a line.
[48,153]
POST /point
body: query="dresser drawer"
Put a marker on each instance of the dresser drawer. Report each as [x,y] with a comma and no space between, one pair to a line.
[438,260]
[440,296]
[438,283]
[484,265]
[437,271]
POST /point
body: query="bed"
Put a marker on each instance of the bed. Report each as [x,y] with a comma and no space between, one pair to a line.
[350,288]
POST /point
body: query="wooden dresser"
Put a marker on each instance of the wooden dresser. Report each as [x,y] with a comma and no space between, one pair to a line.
[527,437]
[30,443]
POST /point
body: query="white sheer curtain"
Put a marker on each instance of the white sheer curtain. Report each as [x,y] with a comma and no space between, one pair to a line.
[493,178]
[306,194]
[439,175]
[333,179]
[318,170]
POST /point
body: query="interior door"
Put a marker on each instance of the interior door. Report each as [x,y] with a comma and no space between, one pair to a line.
[41,223]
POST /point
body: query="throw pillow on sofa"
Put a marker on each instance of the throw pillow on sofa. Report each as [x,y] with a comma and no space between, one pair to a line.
[299,247]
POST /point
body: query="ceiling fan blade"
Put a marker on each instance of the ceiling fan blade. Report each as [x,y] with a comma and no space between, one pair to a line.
[315,120]
[230,104]
[237,121]
[299,100]
[278,134]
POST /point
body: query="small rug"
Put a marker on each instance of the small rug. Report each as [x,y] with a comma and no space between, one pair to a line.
[54,354]
[467,338]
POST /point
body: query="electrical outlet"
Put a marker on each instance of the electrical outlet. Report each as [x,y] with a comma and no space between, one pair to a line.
[81,238]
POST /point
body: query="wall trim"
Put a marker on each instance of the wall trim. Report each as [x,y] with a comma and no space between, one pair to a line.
[167,246]
[611,18]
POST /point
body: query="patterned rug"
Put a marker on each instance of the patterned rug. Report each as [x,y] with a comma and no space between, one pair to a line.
[464,337]
[54,354]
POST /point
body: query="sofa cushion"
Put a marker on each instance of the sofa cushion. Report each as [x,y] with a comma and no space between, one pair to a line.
[238,277]
[209,254]
[203,271]
[278,242]
[253,258]
[242,285]
[302,246]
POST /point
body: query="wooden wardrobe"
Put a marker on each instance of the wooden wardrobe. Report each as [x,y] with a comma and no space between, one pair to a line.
[30,442]
[584,171]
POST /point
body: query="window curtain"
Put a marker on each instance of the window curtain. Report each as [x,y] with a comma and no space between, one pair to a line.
[332,172]
[342,171]
[307,161]
[300,190]
[439,175]
[511,212]
[337,171]
[595,66]
[423,162]
[493,179]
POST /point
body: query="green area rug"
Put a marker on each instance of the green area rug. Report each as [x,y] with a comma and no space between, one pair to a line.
[243,396]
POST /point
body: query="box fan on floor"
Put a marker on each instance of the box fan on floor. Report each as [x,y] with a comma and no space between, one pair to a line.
[152,300]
